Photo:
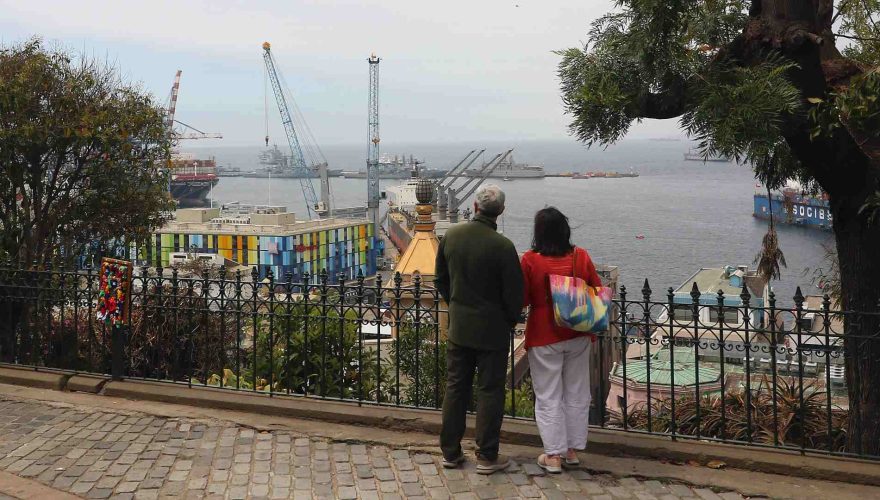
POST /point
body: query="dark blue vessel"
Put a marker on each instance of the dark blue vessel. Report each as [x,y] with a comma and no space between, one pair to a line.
[793,207]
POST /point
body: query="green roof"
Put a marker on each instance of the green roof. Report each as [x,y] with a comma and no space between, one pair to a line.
[662,370]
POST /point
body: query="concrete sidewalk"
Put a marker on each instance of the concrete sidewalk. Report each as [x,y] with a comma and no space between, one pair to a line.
[101,447]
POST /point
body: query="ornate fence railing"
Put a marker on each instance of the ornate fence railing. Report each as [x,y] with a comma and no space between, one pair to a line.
[737,369]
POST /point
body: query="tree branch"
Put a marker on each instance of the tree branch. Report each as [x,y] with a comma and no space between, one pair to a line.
[839,11]
[859,38]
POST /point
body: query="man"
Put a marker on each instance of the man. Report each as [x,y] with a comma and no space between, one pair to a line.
[480,278]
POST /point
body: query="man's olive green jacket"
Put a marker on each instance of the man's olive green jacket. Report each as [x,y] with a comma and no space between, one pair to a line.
[479,277]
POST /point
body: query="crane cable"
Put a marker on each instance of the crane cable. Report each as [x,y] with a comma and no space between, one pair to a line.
[266,102]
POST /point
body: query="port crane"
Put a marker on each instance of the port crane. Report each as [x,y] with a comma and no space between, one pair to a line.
[373,146]
[170,120]
[320,208]
[455,196]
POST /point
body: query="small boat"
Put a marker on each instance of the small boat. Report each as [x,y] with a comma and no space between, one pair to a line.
[640,236]
[506,178]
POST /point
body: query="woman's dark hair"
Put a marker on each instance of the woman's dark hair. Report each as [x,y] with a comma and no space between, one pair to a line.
[552,233]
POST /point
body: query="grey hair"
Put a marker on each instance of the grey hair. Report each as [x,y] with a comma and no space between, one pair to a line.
[490,200]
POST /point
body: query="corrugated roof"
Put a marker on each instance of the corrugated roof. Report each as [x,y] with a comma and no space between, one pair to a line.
[710,280]
[661,370]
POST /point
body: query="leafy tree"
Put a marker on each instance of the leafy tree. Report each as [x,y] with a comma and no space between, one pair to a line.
[81,153]
[788,86]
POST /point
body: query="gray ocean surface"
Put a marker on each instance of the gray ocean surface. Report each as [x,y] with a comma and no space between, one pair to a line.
[692,214]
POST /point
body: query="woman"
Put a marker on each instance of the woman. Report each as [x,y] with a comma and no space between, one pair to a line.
[558,357]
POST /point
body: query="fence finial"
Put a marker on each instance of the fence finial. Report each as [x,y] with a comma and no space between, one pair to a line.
[745,295]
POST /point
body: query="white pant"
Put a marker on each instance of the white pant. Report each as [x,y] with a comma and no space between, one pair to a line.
[561,380]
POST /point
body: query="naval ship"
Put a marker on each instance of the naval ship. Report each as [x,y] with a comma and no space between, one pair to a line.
[276,165]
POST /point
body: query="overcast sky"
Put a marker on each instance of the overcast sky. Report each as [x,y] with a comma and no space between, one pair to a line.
[451,70]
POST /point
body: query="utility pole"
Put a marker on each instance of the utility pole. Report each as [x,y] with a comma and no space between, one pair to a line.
[373,148]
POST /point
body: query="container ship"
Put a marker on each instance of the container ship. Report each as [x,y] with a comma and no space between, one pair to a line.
[191,180]
[793,206]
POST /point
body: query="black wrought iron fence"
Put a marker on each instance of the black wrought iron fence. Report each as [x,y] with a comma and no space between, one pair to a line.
[708,366]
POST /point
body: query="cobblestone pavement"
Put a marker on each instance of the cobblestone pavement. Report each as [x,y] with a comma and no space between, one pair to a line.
[107,454]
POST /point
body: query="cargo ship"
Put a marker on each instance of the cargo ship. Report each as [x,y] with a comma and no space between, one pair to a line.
[793,206]
[400,217]
[192,180]
[509,169]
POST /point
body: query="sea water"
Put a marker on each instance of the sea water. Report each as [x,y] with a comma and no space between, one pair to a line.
[690,214]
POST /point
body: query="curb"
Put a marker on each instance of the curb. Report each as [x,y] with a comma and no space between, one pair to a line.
[86,383]
[33,378]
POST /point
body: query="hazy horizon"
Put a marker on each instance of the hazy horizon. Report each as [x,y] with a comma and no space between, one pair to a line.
[454,72]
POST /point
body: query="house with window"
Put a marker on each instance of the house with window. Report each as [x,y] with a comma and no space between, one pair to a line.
[717,325]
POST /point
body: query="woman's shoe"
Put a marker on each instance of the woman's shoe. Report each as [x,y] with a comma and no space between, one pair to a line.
[571,458]
[550,463]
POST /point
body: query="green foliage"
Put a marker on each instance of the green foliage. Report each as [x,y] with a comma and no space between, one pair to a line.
[646,47]
[738,112]
[856,106]
[521,401]
[859,23]
[797,420]
[80,152]
[422,358]
[307,350]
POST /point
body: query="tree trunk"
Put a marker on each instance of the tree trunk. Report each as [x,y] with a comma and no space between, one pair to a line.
[858,249]
[801,31]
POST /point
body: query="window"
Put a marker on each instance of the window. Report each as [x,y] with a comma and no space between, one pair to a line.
[683,313]
[731,315]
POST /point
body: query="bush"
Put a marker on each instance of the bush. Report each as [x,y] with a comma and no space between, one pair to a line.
[796,423]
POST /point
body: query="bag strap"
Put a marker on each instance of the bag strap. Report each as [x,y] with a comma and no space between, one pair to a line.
[574,250]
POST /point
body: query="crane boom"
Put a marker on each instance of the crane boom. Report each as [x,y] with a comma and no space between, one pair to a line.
[170,120]
[373,145]
[172,102]
[299,161]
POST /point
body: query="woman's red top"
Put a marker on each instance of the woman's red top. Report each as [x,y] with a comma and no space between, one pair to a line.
[541,328]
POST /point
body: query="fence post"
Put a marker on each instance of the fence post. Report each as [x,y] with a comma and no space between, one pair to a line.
[117,352]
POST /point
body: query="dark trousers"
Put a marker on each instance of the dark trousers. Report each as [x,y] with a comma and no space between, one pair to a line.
[491,369]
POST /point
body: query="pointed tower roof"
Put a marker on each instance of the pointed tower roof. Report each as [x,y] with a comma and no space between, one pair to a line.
[421,253]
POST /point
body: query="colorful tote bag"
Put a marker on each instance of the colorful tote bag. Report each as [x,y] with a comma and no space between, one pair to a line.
[576,305]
